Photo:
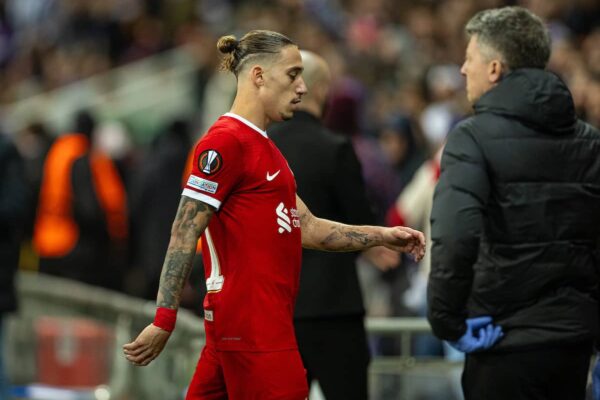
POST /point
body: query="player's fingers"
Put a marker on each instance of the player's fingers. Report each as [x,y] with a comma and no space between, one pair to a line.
[135,352]
[421,239]
[132,346]
[417,254]
[415,233]
[140,358]
[149,359]
[401,234]
[421,251]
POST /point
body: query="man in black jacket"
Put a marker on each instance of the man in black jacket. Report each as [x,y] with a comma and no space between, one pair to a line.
[13,207]
[516,221]
[329,309]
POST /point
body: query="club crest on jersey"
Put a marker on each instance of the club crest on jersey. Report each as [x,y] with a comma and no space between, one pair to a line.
[210,162]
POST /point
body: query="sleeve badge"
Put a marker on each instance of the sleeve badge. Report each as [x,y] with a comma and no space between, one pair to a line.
[210,162]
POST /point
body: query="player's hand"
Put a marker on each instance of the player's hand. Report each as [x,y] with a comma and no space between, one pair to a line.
[382,258]
[405,240]
[147,346]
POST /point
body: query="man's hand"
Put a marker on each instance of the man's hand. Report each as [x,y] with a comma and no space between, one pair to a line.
[405,240]
[147,346]
[487,335]
[596,379]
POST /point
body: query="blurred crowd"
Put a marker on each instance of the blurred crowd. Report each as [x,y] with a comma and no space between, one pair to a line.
[397,91]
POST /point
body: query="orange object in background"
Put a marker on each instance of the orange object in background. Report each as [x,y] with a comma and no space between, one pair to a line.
[56,232]
[73,352]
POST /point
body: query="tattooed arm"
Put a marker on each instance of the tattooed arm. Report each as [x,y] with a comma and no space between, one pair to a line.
[322,234]
[191,220]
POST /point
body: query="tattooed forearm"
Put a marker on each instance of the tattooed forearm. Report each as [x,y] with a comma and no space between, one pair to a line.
[348,238]
[174,274]
[191,220]
[344,238]
[322,234]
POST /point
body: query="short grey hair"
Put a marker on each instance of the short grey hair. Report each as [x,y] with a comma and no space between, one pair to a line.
[516,34]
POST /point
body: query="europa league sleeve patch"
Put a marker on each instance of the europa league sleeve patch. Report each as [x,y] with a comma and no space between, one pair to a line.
[210,162]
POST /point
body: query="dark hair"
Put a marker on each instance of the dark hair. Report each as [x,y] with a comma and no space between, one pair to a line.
[254,43]
[84,123]
[519,36]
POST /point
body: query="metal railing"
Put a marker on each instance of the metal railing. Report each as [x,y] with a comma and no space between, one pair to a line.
[166,378]
[42,296]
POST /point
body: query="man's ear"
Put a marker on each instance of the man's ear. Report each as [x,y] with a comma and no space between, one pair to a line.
[495,71]
[256,75]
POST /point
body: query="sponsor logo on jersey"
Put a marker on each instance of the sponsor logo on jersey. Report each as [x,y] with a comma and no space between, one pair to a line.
[208,315]
[202,184]
[210,162]
[286,219]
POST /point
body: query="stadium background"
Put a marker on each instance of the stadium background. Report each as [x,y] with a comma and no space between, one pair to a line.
[147,70]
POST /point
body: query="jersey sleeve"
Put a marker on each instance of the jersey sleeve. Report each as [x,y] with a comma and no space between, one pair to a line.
[217,168]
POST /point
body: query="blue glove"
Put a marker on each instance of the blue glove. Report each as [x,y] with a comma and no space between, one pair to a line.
[486,335]
[596,379]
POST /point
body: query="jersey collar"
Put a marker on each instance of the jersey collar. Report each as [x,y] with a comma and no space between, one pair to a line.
[245,121]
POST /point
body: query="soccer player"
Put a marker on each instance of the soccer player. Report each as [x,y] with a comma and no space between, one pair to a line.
[242,198]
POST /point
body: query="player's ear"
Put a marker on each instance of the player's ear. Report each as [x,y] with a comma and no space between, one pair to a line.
[257,75]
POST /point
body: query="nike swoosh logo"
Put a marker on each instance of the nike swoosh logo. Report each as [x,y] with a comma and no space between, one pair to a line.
[271,177]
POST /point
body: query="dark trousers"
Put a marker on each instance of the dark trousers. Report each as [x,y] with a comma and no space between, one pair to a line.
[558,373]
[335,353]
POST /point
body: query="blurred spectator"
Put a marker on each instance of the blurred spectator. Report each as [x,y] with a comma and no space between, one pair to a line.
[81,224]
[591,51]
[113,139]
[157,192]
[444,86]
[592,102]
[343,116]
[13,208]
[401,150]
[413,208]
[33,144]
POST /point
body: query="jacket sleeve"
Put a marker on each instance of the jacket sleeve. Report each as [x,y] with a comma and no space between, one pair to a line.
[456,225]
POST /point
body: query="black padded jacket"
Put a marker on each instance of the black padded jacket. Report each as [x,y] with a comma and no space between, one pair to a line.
[516,218]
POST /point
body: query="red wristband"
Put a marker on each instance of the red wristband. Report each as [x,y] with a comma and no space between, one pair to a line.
[165,318]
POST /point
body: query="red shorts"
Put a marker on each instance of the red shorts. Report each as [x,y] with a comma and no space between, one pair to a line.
[241,375]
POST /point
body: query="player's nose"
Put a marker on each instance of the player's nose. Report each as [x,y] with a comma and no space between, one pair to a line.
[301,89]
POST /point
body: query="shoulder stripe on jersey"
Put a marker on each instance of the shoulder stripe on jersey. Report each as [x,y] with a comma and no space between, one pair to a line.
[214,283]
[201,197]
[245,121]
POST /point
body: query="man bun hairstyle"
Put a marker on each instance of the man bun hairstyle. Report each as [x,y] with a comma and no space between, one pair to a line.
[517,35]
[228,45]
[254,44]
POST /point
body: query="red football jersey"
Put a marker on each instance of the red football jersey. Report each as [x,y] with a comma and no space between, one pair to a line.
[252,247]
